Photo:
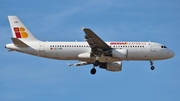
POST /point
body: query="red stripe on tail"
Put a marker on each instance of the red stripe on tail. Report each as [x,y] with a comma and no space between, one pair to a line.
[17,32]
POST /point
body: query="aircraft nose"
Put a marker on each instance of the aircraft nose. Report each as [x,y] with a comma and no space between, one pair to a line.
[171,53]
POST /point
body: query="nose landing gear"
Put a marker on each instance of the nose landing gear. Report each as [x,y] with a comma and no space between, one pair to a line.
[152,67]
[151,63]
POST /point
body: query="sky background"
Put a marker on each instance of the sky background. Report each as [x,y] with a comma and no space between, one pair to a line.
[28,78]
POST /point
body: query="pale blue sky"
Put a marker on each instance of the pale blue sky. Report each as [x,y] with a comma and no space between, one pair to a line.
[29,78]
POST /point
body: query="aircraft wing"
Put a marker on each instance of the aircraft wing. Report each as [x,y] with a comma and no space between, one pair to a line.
[97,45]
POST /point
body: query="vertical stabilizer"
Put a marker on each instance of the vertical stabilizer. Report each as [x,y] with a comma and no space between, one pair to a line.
[19,30]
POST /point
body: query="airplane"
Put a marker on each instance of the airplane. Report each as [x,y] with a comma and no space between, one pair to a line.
[94,51]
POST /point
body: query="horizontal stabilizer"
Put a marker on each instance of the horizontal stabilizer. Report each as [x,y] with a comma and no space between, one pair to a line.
[11,50]
[18,42]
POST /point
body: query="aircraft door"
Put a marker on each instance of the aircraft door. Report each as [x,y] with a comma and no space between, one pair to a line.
[153,48]
[41,47]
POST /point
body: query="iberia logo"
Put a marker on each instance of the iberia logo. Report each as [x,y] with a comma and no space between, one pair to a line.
[20,32]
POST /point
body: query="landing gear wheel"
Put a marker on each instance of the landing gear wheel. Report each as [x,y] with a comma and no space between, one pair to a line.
[93,71]
[152,67]
[151,63]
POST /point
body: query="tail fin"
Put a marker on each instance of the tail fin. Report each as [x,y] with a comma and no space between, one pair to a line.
[19,30]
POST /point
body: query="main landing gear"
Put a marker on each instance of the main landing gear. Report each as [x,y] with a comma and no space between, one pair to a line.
[93,71]
[151,63]
[95,64]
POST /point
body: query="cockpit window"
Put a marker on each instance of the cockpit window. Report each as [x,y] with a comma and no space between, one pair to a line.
[163,47]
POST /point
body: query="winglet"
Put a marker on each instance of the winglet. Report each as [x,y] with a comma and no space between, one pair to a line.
[82,28]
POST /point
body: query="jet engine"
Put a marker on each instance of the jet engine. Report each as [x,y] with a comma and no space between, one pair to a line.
[112,66]
[84,55]
[119,53]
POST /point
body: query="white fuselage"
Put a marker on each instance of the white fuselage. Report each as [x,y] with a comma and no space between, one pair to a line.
[71,50]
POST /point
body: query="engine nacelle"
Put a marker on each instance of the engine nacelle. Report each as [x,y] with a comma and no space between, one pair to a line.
[112,66]
[119,53]
[84,55]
